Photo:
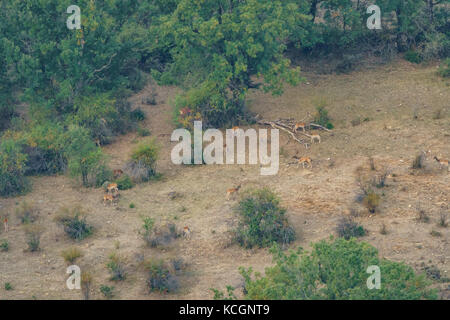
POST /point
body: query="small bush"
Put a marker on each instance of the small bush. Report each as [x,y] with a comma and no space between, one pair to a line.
[262,221]
[160,278]
[413,57]
[4,245]
[8,286]
[107,291]
[12,169]
[422,216]
[444,69]
[143,132]
[347,229]
[86,284]
[435,233]
[143,162]
[161,236]
[137,114]
[33,237]
[71,254]
[321,117]
[27,213]
[371,201]
[443,220]
[74,223]
[419,161]
[383,229]
[116,266]
[132,205]
[124,182]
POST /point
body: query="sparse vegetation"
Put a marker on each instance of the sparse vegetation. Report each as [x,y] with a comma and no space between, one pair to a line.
[371,201]
[86,284]
[107,291]
[74,223]
[116,266]
[321,117]
[71,255]
[124,182]
[4,245]
[142,166]
[161,278]
[8,286]
[262,221]
[443,220]
[27,213]
[422,216]
[383,229]
[33,235]
[419,161]
[435,233]
[347,229]
[12,169]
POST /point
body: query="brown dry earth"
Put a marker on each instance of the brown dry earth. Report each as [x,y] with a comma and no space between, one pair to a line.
[388,96]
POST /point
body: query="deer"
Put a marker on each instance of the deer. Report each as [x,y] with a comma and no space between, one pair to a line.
[108,197]
[185,111]
[98,143]
[305,161]
[442,162]
[186,232]
[112,188]
[232,191]
[299,125]
[5,224]
[315,137]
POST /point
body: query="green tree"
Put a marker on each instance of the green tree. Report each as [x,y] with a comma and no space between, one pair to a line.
[218,46]
[334,269]
[12,169]
[85,159]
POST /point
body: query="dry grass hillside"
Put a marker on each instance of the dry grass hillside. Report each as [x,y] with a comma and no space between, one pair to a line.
[403,109]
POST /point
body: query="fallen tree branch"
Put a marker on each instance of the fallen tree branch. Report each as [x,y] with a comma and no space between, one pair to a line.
[277,126]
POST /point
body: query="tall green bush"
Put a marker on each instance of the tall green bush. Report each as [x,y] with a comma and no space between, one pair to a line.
[12,169]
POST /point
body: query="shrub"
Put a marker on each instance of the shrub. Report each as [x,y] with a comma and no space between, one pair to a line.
[413,56]
[86,284]
[107,291]
[419,161]
[347,229]
[132,205]
[137,114]
[160,236]
[33,235]
[85,160]
[27,213]
[4,245]
[71,254]
[160,278]
[335,270]
[321,117]
[422,216]
[262,221]
[143,162]
[74,223]
[443,220]
[8,286]
[444,68]
[12,169]
[371,201]
[116,266]
[124,182]
[143,132]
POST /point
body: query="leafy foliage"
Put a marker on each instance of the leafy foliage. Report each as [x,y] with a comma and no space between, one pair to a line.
[263,221]
[12,169]
[334,269]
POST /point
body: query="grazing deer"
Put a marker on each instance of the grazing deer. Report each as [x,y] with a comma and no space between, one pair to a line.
[117,173]
[305,161]
[108,197]
[186,232]
[5,224]
[442,162]
[232,191]
[300,125]
[315,137]
[112,188]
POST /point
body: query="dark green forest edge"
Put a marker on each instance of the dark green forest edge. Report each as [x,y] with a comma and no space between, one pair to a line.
[63,94]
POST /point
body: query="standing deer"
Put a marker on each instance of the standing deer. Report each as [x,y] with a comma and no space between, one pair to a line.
[305,161]
[442,162]
[108,197]
[315,137]
[186,232]
[299,125]
[232,191]
[5,224]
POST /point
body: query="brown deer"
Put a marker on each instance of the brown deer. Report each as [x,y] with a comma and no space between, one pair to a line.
[186,232]
[5,224]
[305,161]
[112,188]
[299,125]
[232,191]
[442,162]
[315,137]
[108,197]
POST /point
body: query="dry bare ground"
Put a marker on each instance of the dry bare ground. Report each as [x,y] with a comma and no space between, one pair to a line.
[387,97]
